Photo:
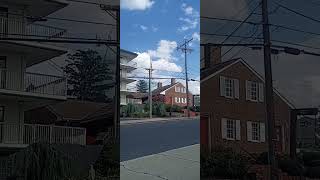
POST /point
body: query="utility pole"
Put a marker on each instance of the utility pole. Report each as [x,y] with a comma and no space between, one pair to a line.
[150,93]
[183,48]
[268,87]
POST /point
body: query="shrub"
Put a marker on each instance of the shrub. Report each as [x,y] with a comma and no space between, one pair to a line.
[224,163]
[108,163]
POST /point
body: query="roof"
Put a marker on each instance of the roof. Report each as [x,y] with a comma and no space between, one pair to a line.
[80,110]
[136,95]
[211,72]
[163,88]
[127,54]
[206,72]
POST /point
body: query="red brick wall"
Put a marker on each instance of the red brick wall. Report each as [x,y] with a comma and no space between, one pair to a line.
[171,94]
[240,109]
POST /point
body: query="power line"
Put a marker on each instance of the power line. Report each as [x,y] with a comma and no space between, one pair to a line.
[61,19]
[249,44]
[296,12]
[239,26]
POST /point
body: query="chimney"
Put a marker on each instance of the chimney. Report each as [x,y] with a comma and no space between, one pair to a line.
[159,84]
[173,81]
[212,56]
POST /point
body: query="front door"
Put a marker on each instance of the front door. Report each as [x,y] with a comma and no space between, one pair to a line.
[3,72]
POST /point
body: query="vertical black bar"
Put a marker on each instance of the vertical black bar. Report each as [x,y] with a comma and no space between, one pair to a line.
[268,85]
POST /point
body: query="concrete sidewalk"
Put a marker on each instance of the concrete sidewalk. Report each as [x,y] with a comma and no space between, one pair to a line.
[177,164]
[134,121]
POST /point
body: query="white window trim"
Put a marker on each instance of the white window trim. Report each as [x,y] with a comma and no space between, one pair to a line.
[261,132]
[234,87]
[236,129]
[260,91]
[176,99]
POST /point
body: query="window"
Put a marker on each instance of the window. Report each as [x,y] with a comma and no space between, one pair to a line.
[176,99]
[230,129]
[229,87]
[255,131]
[254,91]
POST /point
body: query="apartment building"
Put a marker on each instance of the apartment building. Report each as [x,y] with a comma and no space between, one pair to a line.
[20,90]
[126,67]
[233,109]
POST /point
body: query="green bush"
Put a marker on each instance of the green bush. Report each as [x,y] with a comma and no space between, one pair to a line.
[224,163]
[292,167]
[158,109]
[132,110]
[108,162]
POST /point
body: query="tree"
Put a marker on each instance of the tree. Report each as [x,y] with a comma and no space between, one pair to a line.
[142,86]
[88,74]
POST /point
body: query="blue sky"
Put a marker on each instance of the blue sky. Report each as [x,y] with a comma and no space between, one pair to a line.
[154,28]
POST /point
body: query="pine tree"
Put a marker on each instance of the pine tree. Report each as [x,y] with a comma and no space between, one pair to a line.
[87,74]
[142,86]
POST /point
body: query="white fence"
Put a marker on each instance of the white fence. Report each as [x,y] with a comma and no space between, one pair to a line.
[19,28]
[33,82]
[32,133]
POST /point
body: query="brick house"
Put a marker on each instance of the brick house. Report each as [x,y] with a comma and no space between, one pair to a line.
[172,94]
[233,109]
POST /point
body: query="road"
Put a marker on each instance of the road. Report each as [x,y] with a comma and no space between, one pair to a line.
[143,139]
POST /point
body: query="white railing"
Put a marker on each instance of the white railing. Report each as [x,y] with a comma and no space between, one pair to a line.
[33,133]
[33,82]
[19,28]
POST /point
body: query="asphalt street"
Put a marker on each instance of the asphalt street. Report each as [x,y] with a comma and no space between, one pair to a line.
[142,139]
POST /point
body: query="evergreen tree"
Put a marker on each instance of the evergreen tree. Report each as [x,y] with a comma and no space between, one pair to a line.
[142,86]
[87,74]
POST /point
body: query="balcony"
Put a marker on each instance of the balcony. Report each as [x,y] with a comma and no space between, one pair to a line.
[32,83]
[25,134]
[19,28]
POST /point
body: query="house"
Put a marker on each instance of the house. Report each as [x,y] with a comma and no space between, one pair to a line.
[172,94]
[306,131]
[136,97]
[20,90]
[233,108]
[126,67]
[196,100]
[96,118]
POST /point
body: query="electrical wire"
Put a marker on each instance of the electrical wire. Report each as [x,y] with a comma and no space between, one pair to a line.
[296,12]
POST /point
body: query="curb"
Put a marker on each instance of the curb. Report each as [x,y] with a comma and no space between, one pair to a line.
[128,122]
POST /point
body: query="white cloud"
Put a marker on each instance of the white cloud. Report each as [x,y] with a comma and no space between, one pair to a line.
[154,29]
[144,28]
[191,19]
[196,36]
[163,64]
[162,61]
[164,50]
[136,4]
